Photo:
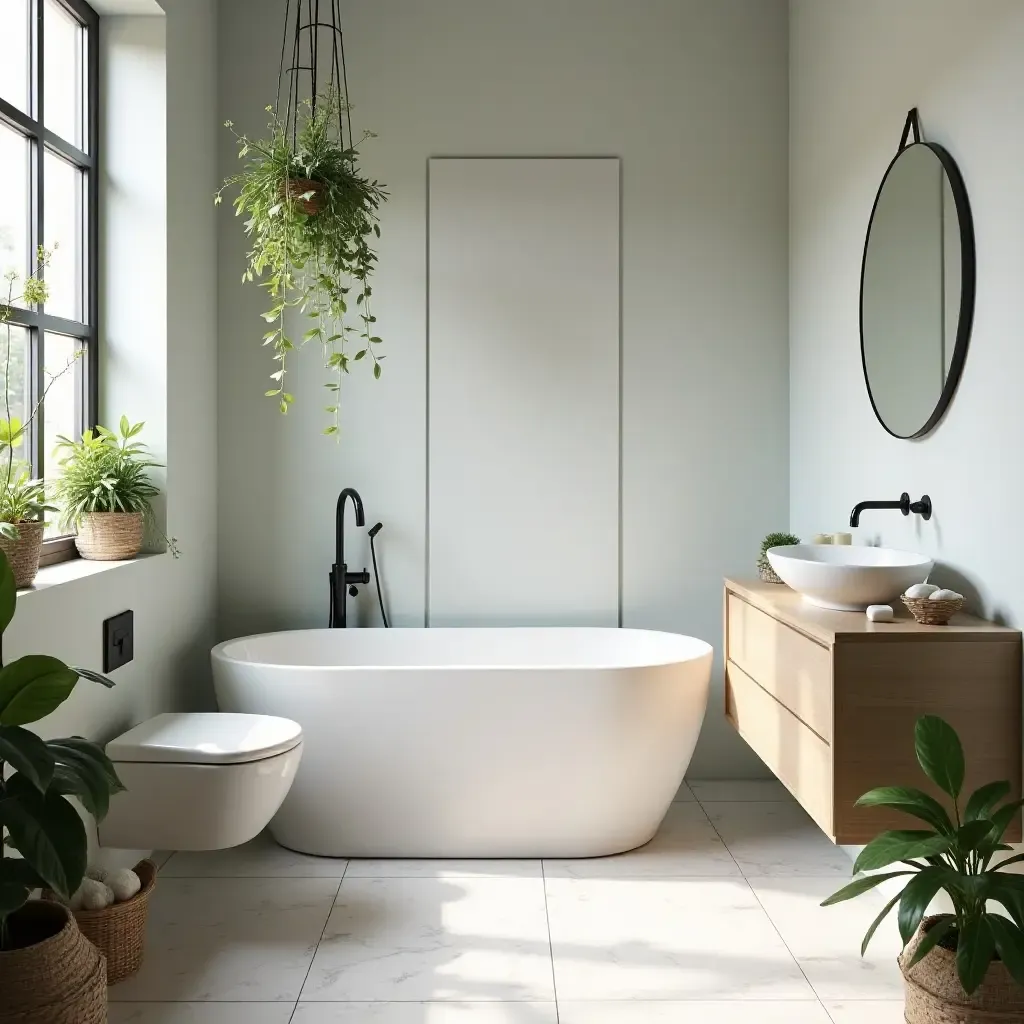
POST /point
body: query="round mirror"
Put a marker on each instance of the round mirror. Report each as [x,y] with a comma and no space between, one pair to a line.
[916,290]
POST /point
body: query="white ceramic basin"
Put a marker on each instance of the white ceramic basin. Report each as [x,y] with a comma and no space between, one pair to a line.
[846,577]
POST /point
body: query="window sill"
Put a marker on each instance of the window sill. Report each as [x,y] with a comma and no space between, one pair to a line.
[77,569]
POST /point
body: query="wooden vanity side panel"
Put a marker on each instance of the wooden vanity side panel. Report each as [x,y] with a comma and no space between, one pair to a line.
[882,689]
[799,757]
[794,669]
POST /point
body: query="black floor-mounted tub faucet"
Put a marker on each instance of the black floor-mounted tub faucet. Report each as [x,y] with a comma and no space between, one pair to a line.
[340,578]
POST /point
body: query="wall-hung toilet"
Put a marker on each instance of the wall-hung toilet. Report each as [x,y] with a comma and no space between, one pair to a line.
[199,781]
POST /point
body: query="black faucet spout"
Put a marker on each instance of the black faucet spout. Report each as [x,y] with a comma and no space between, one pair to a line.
[340,578]
[923,508]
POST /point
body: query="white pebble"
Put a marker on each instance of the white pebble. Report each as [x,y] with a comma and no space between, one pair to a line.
[96,874]
[124,884]
[880,613]
[921,590]
[75,903]
[944,595]
[96,895]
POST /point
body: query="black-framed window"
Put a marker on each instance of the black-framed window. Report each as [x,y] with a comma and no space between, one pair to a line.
[49,95]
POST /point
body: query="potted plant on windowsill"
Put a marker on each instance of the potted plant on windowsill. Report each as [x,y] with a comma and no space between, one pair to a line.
[105,493]
[22,499]
[967,966]
[49,971]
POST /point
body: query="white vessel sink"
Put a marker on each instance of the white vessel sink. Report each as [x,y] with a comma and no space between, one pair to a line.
[845,577]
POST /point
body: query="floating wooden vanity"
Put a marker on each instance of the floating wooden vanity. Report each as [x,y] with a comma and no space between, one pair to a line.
[828,700]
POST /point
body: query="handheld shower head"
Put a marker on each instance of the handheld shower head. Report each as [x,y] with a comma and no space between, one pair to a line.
[374,530]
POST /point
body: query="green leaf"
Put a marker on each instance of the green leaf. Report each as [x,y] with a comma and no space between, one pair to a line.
[970,836]
[974,952]
[26,753]
[84,747]
[1012,899]
[919,892]
[8,593]
[939,753]
[376,341]
[125,426]
[931,938]
[984,800]
[94,677]
[861,885]
[877,921]
[32,687]
[359,355]
[48,833]
[890,847]
[910,801]
[1009,940]
[376,371]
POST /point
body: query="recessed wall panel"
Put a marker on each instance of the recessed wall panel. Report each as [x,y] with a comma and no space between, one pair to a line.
[523,411]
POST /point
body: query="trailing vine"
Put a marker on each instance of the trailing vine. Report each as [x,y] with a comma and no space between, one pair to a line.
[310,217]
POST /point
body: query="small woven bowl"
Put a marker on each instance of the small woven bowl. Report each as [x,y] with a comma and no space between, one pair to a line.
[933,613]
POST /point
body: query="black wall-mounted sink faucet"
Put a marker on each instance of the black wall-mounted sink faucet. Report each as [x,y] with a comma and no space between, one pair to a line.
[341,579]
[923,508]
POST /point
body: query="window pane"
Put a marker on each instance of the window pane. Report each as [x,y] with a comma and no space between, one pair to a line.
[63,213]
[14,209]
[63,73]
[14,370]
[60,408]
[14,31]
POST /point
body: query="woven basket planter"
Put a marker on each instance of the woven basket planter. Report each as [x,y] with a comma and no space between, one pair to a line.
[110,536]
[934,994]
[57,977]
[932,613]
[297,189]
[765,571]
[23,553]
[119,931]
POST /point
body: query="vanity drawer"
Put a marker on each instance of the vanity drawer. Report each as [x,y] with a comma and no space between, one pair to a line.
[789,666]
[800,759]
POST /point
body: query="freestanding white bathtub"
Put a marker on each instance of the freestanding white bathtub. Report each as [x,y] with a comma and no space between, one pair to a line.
[519,742]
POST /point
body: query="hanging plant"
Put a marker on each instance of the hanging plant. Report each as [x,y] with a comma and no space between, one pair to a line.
[310,217]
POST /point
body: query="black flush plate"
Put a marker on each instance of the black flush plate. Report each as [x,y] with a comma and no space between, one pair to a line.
[118,640]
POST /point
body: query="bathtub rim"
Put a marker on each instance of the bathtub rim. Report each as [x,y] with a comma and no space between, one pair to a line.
[702,650]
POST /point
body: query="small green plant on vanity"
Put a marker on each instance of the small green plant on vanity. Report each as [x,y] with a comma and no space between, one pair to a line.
[38,776]
[956,855]
[310,216]
[773,540]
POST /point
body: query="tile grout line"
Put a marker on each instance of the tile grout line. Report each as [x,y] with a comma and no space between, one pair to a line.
[316,948]
[551,948]
[764,911]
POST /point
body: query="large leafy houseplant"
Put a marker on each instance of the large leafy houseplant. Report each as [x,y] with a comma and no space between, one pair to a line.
[38,776]
[956,854]
[310,216]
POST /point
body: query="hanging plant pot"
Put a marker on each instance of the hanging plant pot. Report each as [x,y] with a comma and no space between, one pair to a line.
[299,189]
[110,536]
[23,553]
[53,973]
[935,995]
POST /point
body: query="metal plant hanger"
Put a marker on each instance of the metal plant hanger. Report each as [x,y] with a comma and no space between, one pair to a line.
[314,43]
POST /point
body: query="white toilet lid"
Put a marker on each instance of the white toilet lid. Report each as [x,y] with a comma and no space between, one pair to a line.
[206,739]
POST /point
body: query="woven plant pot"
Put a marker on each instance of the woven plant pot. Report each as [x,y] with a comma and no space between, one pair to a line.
[765,571]
[110,536]
[932,613]
[56,976]
[296,188]
[23,553]
[934,994]
[119,931]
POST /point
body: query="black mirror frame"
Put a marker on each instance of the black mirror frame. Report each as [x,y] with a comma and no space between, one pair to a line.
[968,277]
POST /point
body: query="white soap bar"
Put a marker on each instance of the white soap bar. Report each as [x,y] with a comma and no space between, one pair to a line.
[944,595]
[921,590]
[880,613]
